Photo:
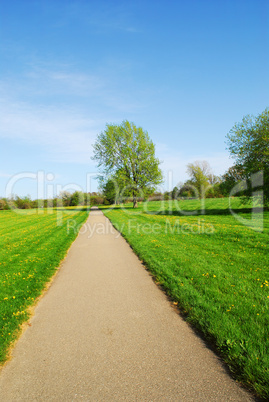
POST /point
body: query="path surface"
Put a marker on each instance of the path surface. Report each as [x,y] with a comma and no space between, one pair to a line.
[105,332]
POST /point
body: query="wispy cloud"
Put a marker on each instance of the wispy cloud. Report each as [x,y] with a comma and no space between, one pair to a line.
[60,81]
[105,18]
[5,175]
[59,108]
[41,81]
[52,83]
[65,135]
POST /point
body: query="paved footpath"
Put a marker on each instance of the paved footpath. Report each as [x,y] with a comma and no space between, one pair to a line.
[105,332]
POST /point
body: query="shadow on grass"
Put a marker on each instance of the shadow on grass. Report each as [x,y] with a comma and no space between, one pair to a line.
[117,207]
[67,209]
[198,212]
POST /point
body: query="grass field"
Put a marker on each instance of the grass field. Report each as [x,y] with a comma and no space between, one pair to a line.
[32,246]
[215,269]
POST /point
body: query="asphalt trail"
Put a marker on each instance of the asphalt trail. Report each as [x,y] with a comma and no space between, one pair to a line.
[105,332]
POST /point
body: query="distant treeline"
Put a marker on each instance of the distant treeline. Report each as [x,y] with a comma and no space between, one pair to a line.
[65,199]
[77,198]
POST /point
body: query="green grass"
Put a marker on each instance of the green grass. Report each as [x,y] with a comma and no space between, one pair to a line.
[32,246]
[216,269]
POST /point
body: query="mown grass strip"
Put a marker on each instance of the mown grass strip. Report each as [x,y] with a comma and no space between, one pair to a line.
[216,269]
[32,246]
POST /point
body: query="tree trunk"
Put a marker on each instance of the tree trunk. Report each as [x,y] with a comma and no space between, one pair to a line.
[134,201]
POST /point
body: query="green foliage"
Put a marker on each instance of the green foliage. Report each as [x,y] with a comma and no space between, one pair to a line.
[166,196]
[232,177]
[66,199]
[77,198]
[214,191]
[175,193]
[200,177]
[31,248]
[126,153]
[65,196]
[202,183]
[248,143]
[110,191]
[96,200]
[215,268]
[187,190]
[3,204]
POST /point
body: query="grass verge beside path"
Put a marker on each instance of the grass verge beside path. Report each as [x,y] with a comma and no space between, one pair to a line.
[216,269]
[32,246]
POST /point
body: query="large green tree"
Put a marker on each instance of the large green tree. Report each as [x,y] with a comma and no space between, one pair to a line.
[248,142]
[127,153]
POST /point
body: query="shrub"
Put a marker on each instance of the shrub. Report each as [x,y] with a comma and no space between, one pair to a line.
[3,204]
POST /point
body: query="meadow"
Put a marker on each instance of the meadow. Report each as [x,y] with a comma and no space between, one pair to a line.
[32,245]
[215,269]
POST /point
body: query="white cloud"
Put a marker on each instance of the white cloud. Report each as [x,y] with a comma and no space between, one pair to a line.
[45,80]
[56,108]
[48,83]
[65,135]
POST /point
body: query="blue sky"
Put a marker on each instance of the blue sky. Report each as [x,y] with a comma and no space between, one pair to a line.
[185,71]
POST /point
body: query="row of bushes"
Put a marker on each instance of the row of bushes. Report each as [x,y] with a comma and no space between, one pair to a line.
[77,198]
[65,200]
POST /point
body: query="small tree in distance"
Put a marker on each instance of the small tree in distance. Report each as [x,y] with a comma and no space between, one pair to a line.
[202,181]
[127,152]
[200,174]
[109,191]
